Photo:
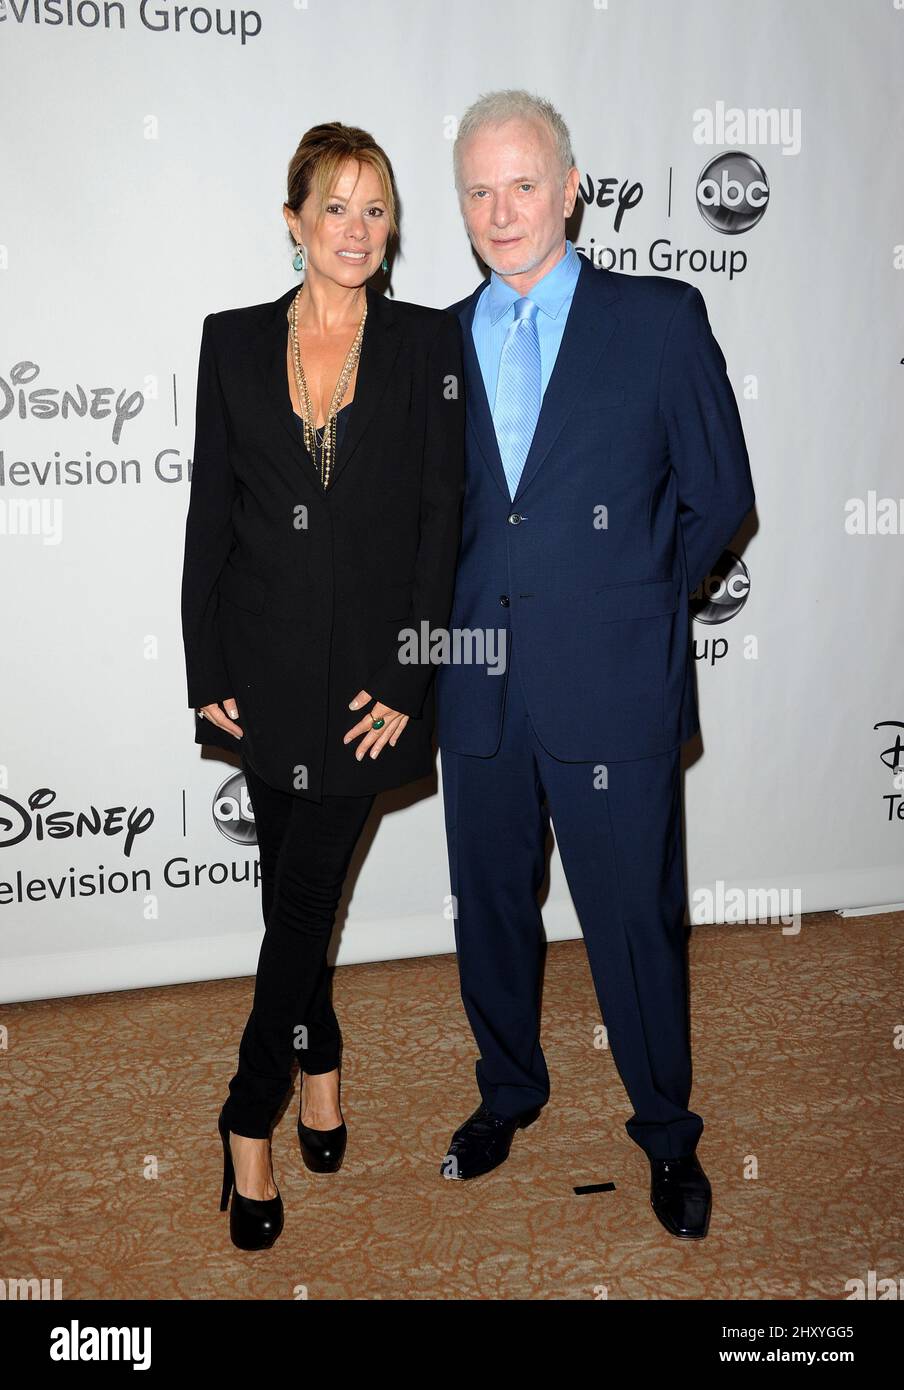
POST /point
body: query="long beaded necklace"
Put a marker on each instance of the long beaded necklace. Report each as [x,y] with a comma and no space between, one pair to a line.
[314,442]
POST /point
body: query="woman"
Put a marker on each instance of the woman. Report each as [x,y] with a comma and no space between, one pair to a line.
[324,517]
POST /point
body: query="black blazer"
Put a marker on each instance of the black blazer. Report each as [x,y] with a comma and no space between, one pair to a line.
[292,596]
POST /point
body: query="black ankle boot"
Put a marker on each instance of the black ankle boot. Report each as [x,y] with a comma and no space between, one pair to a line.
[253,1224]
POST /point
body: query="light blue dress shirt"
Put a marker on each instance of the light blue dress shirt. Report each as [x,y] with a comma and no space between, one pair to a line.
[493,315]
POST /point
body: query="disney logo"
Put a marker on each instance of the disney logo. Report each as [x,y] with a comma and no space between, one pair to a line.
[892,757]
[42,403]
[17,822]
[601,192]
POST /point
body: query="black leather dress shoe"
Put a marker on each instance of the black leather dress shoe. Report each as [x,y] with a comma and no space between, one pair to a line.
[322,1149]
[681,1196]
[483,1142]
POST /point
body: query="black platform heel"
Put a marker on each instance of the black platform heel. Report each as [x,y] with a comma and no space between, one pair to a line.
[322,1149]
[253,1224]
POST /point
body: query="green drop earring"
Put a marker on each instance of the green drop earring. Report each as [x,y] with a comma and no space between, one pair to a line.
[385,265]
[298,259]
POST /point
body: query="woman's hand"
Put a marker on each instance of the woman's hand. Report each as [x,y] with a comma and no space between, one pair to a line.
[375,739]
[216,716]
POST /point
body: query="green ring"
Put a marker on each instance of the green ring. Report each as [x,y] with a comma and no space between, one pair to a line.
[377,723]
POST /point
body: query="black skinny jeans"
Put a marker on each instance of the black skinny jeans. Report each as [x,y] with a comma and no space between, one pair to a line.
[305,848]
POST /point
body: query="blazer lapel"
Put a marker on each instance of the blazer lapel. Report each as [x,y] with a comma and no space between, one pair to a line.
[379,349]
[270,358]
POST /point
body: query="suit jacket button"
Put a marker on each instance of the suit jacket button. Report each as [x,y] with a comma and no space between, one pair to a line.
[516,519]
[504,600]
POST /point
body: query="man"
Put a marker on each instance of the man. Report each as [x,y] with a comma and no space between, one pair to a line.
[606,471]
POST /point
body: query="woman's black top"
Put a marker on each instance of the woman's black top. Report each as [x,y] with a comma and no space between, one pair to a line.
[341,422]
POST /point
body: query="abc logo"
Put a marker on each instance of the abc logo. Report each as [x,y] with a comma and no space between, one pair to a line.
[723,592]
[732,192]
[232,811]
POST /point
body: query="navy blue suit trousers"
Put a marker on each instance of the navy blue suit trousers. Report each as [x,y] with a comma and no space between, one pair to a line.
[618,831]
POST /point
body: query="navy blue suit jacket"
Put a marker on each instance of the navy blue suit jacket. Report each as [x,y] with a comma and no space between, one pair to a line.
[636,480]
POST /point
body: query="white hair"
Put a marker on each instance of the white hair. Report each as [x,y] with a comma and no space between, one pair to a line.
[494,108]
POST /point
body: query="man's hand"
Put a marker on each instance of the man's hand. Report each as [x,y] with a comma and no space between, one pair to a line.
[375,739]
[216,716]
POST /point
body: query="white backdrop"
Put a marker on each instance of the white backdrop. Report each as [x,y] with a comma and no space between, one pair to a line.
[142,172]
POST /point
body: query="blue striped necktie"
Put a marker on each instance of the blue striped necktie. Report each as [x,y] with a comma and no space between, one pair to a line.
[518,391]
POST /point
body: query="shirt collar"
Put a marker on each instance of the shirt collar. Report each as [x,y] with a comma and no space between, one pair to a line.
[549,294]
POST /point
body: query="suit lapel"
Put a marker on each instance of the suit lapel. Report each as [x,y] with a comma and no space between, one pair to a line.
[379,349]
[480,419]
[591,323]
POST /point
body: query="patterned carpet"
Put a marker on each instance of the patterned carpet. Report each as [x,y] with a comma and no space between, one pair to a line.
[112,1163]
